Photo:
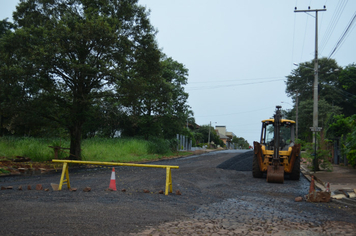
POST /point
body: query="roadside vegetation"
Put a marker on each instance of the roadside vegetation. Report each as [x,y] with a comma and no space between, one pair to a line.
[88,69]
[336,110]
[94,149]
[89,73]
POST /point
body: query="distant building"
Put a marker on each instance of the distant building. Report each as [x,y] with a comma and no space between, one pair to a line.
[225,136]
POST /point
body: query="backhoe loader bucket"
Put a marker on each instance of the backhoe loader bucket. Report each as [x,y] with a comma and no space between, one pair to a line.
[275,174]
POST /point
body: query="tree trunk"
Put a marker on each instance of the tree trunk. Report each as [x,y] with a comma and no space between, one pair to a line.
[1,128]
[75,142]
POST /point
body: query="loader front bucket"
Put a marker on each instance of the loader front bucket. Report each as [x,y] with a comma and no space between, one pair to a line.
[275,174]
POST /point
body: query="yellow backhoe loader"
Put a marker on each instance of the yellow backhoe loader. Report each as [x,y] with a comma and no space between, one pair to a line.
[276,154]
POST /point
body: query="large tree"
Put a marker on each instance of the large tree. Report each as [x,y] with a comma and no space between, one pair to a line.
[346,89]
[5,27]
[301,81]
[240,143]
[173,105]
[154,99]
[66,54]
[330,90]
[336,84]
[305,118]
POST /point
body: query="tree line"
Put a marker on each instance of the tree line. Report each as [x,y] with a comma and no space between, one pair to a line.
[336,102]
[87,68]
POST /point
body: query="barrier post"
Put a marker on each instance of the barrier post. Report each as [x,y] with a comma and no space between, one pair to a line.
[66,173]
[168,181]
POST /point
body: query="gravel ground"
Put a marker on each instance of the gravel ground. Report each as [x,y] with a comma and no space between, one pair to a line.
[242,162]
[214,201]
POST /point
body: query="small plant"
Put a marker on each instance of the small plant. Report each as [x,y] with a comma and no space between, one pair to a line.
[4,171]
[323,155]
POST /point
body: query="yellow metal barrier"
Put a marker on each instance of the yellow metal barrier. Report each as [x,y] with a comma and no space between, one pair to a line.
[66,172]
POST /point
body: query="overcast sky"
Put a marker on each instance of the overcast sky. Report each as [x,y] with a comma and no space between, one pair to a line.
[239,52]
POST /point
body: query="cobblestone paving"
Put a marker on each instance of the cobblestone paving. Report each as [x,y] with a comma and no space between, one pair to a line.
[251,227]
[258,215]
[239,217]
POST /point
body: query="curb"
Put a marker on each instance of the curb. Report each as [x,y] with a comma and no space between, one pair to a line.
[321,185]
[318,183]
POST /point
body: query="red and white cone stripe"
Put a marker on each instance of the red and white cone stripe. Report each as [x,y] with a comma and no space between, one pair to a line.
[112,180]
[327,187]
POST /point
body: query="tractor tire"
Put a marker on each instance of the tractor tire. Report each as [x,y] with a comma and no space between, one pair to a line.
[256,171]
[295,175]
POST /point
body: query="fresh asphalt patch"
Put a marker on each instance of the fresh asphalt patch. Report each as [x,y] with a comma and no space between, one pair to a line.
[241,162]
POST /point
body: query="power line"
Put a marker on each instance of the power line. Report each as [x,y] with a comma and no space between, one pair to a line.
[305,33]
[293,43]
[238,113]
[233,80]
[332,24]
[343,41]
[343,36]
[345,94]
[230,85]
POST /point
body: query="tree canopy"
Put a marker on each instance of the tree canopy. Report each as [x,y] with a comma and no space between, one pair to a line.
[301,80]
[240,142]
[334,98]
[91,67]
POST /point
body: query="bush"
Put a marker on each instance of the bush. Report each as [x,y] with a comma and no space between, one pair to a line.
[303,144]
[350,146]
[160,146]
[323,157]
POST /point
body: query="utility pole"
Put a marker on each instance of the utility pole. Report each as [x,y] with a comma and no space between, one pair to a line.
[296,115]
[315,88]
[209,135]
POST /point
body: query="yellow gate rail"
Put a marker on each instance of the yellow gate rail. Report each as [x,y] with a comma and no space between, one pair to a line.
[66,172]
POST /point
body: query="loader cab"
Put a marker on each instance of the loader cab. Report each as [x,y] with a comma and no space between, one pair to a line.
[286,134]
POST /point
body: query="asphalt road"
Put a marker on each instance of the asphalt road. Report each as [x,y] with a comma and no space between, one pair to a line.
[227,195]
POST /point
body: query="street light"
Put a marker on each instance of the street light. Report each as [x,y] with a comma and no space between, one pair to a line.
[287,103]
[296,64]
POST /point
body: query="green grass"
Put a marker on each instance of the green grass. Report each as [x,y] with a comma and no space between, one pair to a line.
[117,150]
[35,148]
[96,149]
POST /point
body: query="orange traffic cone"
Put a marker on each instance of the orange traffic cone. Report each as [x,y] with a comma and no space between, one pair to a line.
[327,188]
[312,185]
[112,180]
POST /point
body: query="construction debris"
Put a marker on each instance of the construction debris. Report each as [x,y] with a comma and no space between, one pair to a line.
[39,187]
[54,186]
[87,189]
[317,196]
